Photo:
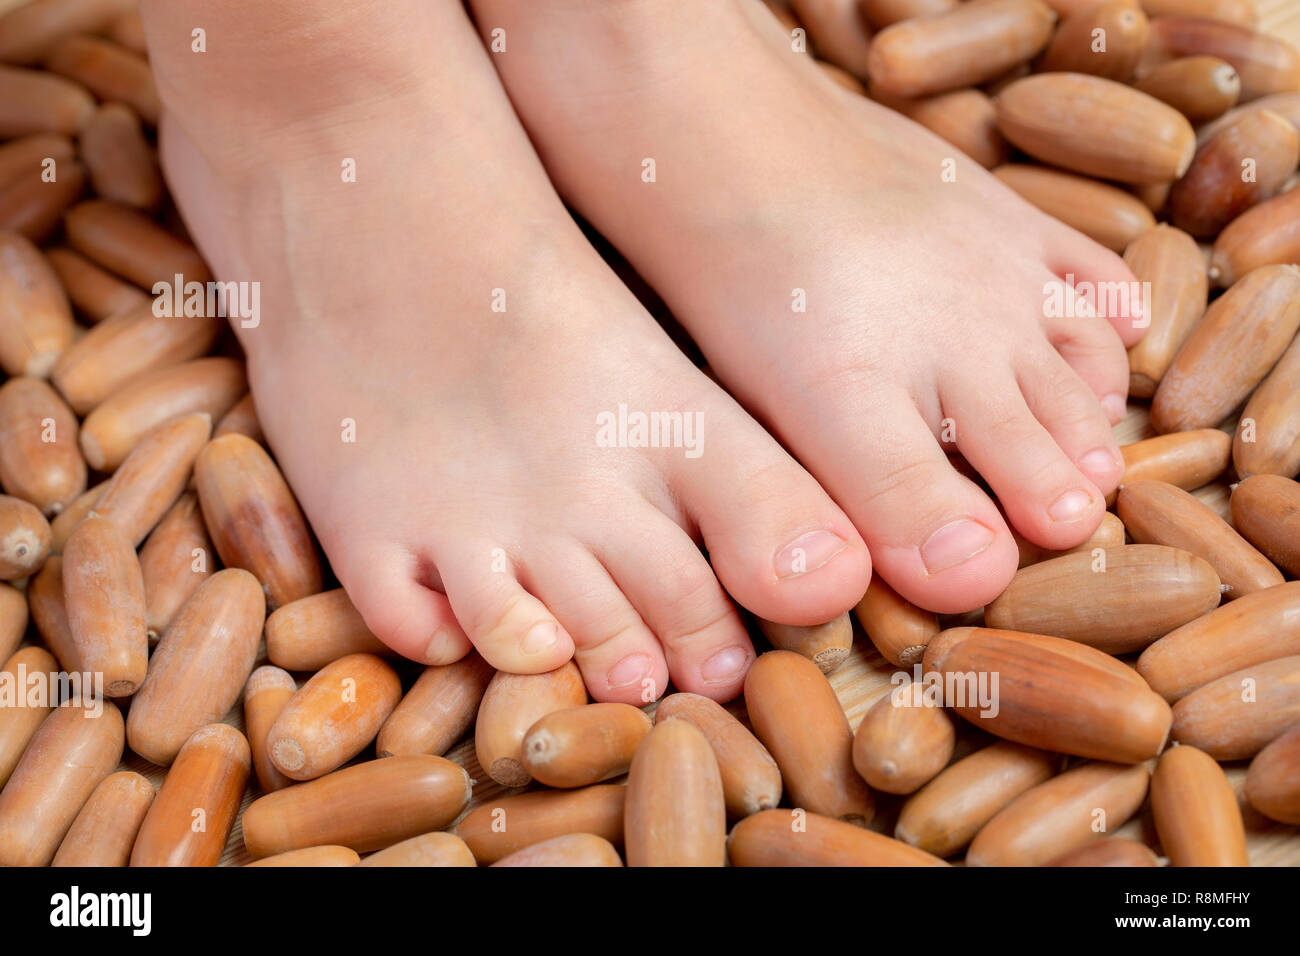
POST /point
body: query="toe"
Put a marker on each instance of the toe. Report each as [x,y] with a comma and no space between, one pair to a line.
[1101,277]
[777,542]
[671,585]
[1069,410]
[1090,346]
[510,627]
[1046,497]
[619,656]
[404,613]
[933,534]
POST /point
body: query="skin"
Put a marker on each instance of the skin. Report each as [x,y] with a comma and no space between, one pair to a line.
[925,298]
[475,492]
[475,506]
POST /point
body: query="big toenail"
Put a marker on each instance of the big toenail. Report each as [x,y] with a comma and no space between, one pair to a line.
[725,666]
[630,670]
[808,552]
[540,637]
[1115,406]
[1099,461]
[1070,506]
[954,543]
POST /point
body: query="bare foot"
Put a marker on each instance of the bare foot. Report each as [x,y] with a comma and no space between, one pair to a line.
[445,306]
[857,299]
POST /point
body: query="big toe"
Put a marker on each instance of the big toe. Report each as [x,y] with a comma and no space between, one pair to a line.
[933,534]
[777,542]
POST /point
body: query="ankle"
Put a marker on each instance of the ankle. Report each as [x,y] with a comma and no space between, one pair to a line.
[260,68]
[638,34]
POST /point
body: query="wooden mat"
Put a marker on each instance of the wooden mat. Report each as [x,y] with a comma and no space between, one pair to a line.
[1280,17]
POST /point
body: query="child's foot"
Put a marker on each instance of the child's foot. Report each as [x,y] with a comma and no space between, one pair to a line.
[477,470]
[743,185]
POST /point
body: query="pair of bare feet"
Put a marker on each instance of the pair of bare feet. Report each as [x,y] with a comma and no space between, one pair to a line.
[861,306]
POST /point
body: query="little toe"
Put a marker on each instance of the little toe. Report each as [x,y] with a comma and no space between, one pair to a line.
[1090,346]
[1102,278]
[404,613]
[1070,412]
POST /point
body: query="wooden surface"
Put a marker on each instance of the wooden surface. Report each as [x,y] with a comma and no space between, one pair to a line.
[865,675]
[1280,17]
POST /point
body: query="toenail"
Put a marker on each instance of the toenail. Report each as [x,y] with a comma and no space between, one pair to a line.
[540,637]
[630,670]
[437,647]
[808,553]
[725,666]
[1116,407]
[1070,506]
[1099,461]
[954,543]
